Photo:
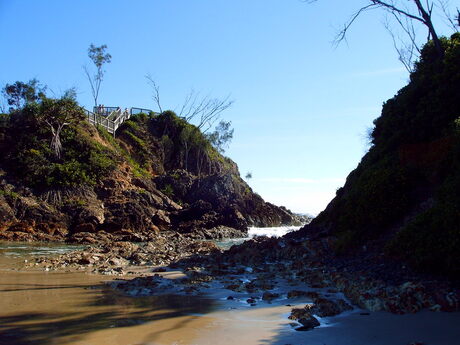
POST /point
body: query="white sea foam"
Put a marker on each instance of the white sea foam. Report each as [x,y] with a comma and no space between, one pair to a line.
[272,232]
[253,232]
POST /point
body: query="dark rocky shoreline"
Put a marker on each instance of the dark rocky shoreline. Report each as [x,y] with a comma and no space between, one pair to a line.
[117,257]
[132,209]
[263,269]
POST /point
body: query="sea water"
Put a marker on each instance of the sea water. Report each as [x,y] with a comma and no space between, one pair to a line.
[253,232]
[36,248]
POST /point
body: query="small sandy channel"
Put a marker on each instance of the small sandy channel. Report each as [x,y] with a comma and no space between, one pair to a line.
[38,307]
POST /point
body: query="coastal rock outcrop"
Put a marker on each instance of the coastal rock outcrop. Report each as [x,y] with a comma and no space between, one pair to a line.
[150,178]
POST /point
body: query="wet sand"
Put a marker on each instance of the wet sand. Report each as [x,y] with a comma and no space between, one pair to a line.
[77,308]
[38,307]
[264,326]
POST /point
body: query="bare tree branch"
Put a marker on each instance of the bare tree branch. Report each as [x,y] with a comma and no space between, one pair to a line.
[406,51]
[373,5]
[449,18]
[205,110]
[210,110]
[92,82]
[429,24]
[406,13]
[341,36]
[2,106]
[408,27]
[393,8]
[156,91]
[190,99]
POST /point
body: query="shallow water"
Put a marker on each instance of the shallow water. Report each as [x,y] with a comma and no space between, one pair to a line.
[14,255]
[21,249]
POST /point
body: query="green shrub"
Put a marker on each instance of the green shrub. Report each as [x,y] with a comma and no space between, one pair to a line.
[376,195]
[131,125]
[136,140]
[141,117]
[168,190]
[431,241]
[138,171]
[69,173]
[8,193]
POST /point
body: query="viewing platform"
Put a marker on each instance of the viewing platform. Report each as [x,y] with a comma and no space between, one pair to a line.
[111,118]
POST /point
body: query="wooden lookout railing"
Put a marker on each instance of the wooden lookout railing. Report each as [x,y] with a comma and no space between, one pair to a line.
[111,118]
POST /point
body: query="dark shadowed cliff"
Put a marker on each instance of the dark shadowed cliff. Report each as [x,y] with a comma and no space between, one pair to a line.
[403,199]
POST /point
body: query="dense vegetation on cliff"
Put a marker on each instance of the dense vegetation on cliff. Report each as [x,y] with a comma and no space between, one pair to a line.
[403,198]
[62,175]
[28,156]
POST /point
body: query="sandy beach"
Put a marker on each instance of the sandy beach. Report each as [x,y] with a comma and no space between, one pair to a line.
[40,307]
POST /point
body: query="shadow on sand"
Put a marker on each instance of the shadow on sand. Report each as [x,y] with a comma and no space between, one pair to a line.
[106,309]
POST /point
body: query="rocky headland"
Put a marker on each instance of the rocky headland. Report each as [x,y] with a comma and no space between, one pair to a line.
[159,175]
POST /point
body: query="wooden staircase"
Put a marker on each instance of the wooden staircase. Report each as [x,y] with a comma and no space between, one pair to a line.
[111,118]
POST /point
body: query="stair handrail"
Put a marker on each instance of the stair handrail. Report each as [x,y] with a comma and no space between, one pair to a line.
[135,110]
[111,118]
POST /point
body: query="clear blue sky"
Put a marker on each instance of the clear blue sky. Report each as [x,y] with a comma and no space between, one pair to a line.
[302,107]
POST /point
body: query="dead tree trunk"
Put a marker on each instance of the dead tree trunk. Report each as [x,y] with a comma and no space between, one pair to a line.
[426,15]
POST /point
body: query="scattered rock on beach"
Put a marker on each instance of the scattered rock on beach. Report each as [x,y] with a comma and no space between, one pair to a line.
[251,301]
[268,296]
[305,317]
[324,307]
[300,293]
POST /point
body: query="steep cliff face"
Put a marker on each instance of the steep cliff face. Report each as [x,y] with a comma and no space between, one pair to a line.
[403,199]
[159,173]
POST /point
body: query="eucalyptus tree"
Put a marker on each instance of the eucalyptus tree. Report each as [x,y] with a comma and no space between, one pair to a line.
[99,57]
[222,135]
[19,94]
